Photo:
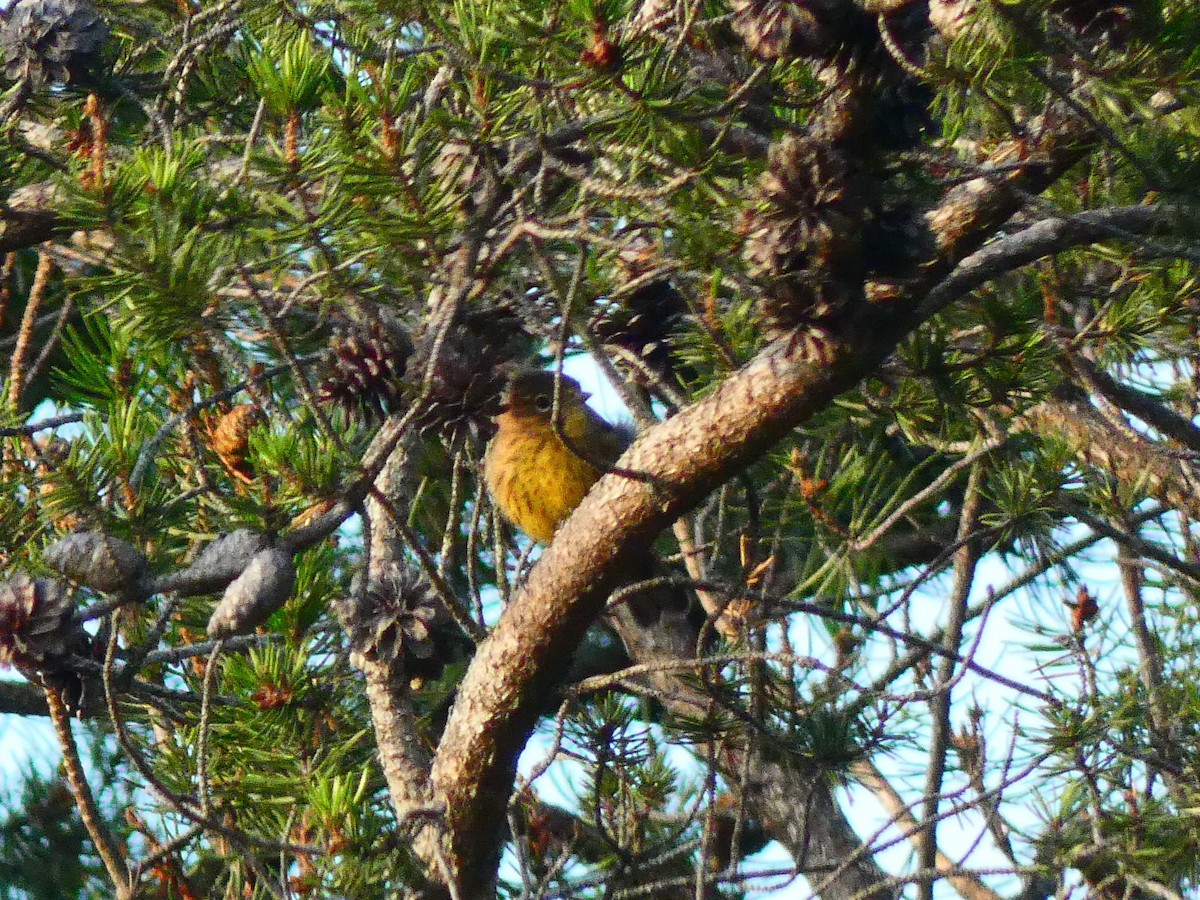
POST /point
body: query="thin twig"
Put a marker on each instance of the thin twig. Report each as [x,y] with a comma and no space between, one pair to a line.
[204,726]
[112,854]
[965,561]
[934,488]
[17,373]
[968,885]
[41,425]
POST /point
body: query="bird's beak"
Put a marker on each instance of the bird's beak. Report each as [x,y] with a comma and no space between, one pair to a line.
[585,395]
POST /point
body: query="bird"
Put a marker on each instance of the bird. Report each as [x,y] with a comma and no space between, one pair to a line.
[539,466]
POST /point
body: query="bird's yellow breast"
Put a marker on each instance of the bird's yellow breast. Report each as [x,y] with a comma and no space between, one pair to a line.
[533,476]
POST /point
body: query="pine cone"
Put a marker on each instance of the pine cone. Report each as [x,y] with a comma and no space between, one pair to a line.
[950,18]
[780,28]
[644,321]
[652,15]
[96,560]
[220,562]
[51,41]
[367,374]
[804,244]
[401,624]
[826,30]
[35,624]
[466,381]
[252,597]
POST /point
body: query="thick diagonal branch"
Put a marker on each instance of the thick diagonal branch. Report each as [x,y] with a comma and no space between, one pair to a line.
[682,459]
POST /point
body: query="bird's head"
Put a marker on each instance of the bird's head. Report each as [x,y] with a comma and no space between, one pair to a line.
[530,394]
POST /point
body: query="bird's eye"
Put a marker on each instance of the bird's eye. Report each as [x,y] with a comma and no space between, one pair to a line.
[543,402]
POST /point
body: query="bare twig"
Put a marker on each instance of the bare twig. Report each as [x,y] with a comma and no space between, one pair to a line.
[17,374]
[965,561]
[112,854]
[968,885]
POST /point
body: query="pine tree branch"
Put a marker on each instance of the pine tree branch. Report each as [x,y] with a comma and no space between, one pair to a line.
[24,699]
[402,751]
[1149,409]
[969,887]
[30,216]
[1071,416]
[681,460]
[966,558]
[1137,545]
[1054,235]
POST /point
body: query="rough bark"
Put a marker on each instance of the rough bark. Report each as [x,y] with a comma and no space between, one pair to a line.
[403,755]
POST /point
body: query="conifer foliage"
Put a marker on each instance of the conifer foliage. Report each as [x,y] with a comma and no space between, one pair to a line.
[901,296]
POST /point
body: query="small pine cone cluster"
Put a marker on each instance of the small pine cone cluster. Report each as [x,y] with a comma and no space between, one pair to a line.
[366,377]
[399,622]
[35,624]
[804,245]
[775,29]
[466,381]
[51,41]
